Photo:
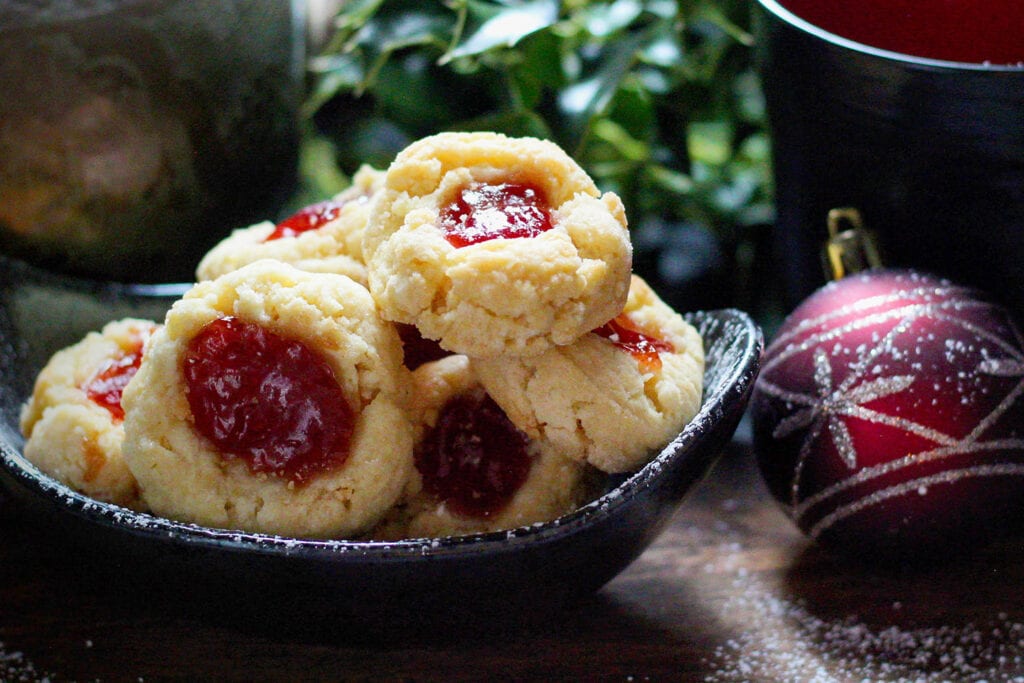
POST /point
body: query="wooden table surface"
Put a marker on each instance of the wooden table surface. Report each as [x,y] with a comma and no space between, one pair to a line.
[730,592]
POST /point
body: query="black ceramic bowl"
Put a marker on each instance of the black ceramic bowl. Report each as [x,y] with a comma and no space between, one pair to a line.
[429,579]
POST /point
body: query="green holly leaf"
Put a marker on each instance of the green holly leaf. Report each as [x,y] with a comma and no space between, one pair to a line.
[504,26]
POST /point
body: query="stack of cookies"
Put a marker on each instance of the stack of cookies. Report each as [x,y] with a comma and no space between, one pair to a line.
[454,345]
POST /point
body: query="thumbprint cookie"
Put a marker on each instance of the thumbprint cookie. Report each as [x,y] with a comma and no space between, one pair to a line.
[494,245]
[272,400]
[73,422]
[325,237]
[614,396]
[475,471]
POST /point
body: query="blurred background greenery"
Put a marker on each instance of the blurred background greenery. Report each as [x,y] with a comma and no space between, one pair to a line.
[657,100]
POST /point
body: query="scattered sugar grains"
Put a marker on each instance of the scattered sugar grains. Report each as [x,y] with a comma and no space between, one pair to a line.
[789,643]
[15,667]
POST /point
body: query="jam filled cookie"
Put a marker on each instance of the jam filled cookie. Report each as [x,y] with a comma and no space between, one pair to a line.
[495,245]
[272,400]
[475,471]
[73,421]
[325,237]
[614,396]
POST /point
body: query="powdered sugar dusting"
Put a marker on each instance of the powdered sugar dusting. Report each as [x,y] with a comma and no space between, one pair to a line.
[15,666]
[782,640]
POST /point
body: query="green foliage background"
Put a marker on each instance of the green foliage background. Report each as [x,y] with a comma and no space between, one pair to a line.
[657,100]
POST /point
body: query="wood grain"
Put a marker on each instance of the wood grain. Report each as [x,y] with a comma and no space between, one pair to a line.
[730,592]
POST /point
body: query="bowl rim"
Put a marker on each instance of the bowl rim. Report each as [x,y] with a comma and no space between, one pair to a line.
[16,270]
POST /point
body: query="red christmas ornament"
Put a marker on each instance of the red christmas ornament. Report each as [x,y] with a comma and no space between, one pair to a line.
[888,415]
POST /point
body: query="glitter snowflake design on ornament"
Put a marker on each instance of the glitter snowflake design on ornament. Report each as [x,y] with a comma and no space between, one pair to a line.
[888,415]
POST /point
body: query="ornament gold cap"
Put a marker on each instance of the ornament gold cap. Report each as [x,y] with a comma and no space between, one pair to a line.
[851,248]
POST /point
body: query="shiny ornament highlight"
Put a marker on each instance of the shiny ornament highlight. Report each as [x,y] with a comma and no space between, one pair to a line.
[888,415]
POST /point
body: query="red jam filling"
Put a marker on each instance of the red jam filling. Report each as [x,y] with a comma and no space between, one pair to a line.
[645,349]
[306,219]
[474,459]
[267,400]
[484,212]
[418,349]
[107,385]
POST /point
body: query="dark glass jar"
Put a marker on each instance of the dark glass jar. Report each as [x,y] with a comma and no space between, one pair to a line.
[135,134]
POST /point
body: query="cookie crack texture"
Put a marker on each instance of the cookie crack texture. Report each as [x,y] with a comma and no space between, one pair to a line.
[189,478]
[513,296]
[581,432]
